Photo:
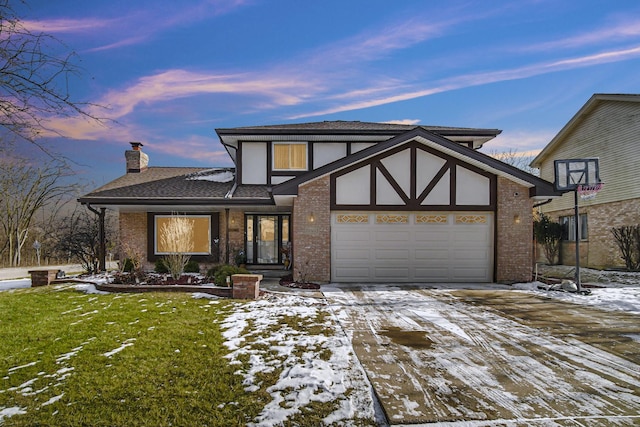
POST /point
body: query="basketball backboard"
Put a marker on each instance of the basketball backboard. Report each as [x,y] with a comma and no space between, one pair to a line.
[570,173]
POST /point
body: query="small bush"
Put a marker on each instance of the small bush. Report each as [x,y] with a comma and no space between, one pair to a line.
[128,265]
[160,267]
[192,267]
[628,240]
[223,271]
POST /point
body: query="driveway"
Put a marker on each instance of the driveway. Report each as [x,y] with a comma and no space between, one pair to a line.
[493,355]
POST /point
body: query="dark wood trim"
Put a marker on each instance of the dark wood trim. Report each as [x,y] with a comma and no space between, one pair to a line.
[215,234]
[443,170]
[385,172]
[310,155]
[269,162]
[239,163]
[412,201]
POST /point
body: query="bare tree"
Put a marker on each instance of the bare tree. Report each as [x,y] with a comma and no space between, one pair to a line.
[34,78]
[516,159]
[27,188]
[78,235]
[176,238]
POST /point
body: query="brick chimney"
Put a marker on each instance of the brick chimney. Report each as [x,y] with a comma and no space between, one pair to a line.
[137,161]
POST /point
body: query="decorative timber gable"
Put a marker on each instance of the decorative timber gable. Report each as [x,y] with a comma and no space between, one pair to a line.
[413,177]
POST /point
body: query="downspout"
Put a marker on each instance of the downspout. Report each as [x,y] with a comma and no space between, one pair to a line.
[102,245]
[226,220]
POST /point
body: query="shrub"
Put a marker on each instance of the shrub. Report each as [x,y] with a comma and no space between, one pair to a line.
[192,267]
[221,273]
[548,233]
[129,265]
[160,267]
[628,240]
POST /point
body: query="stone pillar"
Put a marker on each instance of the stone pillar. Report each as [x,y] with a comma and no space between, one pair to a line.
[42,277]
[246,286]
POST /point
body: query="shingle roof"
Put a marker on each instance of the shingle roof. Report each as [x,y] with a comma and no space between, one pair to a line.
[355,126]
[175,185]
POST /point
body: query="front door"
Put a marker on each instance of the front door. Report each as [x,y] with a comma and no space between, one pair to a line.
[266,236]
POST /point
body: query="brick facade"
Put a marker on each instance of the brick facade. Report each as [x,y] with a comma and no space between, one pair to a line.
[312,231]
[133,236]
[514,231]
[600,249]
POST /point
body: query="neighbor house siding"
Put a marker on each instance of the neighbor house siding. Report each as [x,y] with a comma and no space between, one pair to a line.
[514,233]
[312,231]
[600,249]
[610,132]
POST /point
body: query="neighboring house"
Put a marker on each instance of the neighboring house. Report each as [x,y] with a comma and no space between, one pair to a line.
[356,201]
[606,127]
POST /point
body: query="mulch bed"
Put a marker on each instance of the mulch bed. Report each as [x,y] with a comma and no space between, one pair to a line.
[288,282]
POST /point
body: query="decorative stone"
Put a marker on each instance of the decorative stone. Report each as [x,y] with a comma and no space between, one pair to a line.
[42,277]
[246,286]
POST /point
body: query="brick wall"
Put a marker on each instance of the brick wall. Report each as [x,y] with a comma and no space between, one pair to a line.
[236,234]
[600,249]
[312,231]
[133,236]
[514,241]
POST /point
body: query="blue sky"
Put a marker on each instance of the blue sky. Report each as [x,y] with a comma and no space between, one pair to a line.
[169,72]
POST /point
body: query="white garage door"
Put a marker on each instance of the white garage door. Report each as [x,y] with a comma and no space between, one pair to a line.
[412,247]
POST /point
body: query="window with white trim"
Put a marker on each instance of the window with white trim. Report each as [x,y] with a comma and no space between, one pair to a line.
[568,223]
[289,156]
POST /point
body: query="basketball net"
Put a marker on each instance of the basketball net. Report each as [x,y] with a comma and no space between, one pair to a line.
[588,192]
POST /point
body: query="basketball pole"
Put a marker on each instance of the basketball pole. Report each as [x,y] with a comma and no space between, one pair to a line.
[577,235]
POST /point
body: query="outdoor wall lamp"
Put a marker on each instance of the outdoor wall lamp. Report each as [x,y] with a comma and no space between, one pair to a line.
[516,219]
[312,218]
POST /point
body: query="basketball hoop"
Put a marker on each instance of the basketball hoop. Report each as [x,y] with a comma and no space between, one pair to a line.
[588,192]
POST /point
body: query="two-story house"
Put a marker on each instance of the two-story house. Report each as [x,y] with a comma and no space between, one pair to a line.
[355,202]
[607,127]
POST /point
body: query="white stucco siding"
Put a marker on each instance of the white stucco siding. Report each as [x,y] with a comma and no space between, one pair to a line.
[353,187]
[328,152]
[254,163]
[472,188]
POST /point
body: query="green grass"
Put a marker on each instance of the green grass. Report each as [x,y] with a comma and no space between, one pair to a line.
[172,371]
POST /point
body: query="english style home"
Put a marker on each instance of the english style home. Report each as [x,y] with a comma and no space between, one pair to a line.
[351,201]
[606,127]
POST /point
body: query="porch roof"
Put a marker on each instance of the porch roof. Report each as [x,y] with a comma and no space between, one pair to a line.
[178,186]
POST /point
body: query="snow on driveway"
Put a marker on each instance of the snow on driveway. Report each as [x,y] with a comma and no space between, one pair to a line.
[492,356]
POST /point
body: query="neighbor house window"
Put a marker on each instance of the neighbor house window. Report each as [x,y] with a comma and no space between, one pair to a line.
[568,222]
[197,234]
[289,156]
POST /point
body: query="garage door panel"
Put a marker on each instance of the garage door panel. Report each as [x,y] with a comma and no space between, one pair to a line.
[391,273]
[432,274]
[353,273]
[425,255]
[391,236]
[391,254]
[353,236]
[441,235]
[353,254]
[447,251]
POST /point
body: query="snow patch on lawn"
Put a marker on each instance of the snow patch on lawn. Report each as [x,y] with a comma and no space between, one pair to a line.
[313,368]
[124,345]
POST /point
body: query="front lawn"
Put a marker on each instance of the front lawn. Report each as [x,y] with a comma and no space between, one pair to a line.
[73,358]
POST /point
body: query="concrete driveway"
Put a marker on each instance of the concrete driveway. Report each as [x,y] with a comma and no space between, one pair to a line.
[492,355]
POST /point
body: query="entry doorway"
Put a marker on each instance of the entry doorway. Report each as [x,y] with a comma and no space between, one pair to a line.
[266,235]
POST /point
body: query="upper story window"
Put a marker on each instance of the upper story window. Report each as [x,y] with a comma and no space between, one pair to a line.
[289,156]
